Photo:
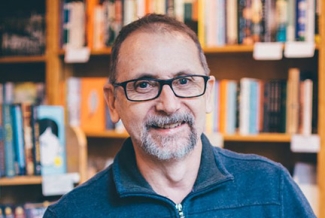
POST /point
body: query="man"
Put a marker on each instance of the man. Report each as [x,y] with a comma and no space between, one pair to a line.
[161,89]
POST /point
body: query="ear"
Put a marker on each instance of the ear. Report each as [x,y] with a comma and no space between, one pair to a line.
[210,95]
[111,102]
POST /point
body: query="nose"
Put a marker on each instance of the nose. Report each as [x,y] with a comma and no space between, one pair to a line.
[167,101]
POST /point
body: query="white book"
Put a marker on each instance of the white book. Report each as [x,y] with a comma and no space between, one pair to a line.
[310,21]
[160,7]
[291,26]
[140,8]
[179,10]
[231,107]
[73,101]
[307,107]
[220,22]
[128,12]
[211,22]
[231,22]
[244,106]
[77,25]
[99,27]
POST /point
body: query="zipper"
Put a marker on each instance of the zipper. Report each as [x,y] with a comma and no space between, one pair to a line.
[179,209]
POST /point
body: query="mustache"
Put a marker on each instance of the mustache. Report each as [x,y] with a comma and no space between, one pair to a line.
[159,120]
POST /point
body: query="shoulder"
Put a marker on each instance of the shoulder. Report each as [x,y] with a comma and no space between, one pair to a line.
[84,197]
[253,169]
[234,159]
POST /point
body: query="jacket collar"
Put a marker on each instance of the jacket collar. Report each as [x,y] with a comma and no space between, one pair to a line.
[129,181]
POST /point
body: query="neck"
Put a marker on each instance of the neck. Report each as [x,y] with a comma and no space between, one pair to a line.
[173,179]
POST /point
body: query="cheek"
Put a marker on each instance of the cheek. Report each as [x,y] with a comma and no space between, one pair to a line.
[132,115]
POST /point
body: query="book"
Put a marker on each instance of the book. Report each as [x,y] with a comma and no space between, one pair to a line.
[227,115]
[52,139]
[36,149]
[292,110]
[282,20]
[90,18]
[18,139]
[73,100]
[92,111]
[231,22]
[244,106]
[306,104]
[8,141]
[301,11]
[291,25]
[26,114]
[2,149]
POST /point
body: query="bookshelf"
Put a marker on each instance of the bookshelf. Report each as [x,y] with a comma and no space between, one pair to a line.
[40,68]
[231,62]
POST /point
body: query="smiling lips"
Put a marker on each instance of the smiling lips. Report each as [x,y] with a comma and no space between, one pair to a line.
[170,126]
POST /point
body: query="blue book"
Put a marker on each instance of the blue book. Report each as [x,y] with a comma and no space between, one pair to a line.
[52,139]
[18,139]
[8,141]
[301,17]
[2,153]
[253,107]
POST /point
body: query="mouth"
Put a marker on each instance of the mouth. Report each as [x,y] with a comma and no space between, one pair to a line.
[168,125]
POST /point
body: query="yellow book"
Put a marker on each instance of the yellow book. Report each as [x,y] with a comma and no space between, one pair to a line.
[201,22]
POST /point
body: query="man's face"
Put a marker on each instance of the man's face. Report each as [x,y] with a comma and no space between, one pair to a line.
[167,127]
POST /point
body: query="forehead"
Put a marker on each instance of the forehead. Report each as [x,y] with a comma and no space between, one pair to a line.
[167,52]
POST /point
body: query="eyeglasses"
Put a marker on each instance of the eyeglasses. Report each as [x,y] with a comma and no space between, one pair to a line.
[189,86]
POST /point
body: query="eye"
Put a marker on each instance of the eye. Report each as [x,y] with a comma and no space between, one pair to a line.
[183,81]
[142,84]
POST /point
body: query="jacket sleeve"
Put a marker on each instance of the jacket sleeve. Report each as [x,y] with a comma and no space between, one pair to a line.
[293,201]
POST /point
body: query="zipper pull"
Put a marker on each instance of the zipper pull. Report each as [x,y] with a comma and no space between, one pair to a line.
[179,208]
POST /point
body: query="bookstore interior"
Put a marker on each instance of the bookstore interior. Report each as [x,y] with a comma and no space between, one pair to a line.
[268,58]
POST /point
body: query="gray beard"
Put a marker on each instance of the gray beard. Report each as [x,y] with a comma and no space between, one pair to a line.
[171,147]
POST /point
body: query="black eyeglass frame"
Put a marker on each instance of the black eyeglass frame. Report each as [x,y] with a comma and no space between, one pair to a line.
[162,83]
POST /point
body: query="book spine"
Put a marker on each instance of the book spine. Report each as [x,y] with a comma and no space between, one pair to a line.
[231,105]
[282,20]
[283,106]
[8,142]
[253,104]
[291,25]
[170,8]
[307,107]
[36,150]
[18,139]
[301,11]
[241,21]
[2,148]
[179,9]
[28,138]
[266,107]
[310,21]
[244,106]
[231,22]
[221,23]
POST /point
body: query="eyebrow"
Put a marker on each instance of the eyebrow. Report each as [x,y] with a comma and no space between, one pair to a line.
[150,76]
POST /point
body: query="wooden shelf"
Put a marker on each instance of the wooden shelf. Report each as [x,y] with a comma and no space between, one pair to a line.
[21,180]
[211,50]
[106,134]
[264,137]
[22,59]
